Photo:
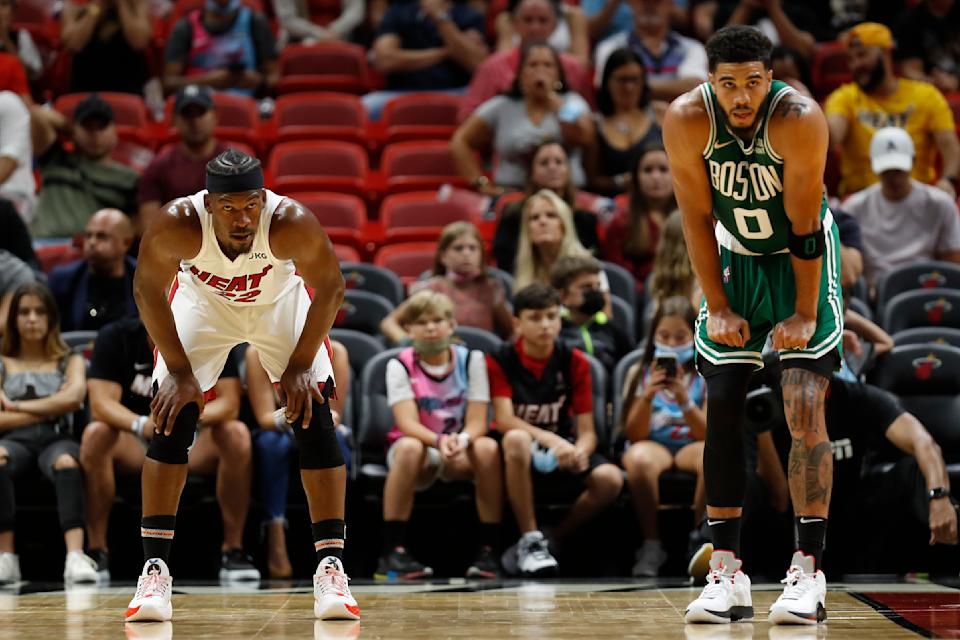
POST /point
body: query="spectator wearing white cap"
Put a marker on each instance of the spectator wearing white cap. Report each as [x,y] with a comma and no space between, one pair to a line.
[902,220]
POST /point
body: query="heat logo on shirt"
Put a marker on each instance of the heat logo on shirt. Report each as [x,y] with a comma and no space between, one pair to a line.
[242,288]
[545,416]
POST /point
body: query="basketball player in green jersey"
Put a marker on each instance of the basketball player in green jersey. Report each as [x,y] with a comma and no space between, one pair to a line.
[748,153]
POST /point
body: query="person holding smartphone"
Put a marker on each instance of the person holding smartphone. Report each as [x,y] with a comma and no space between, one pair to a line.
[665,423]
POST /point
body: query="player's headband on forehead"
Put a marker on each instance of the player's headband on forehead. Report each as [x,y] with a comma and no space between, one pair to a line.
[250,181]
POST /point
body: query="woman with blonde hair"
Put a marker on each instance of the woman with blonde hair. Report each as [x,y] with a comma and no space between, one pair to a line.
[547,234]
[459,272]
[41,385]
[672,273]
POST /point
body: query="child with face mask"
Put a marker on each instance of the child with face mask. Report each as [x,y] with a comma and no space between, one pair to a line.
[459,273]
[584,324]
[665,422]
[439,395]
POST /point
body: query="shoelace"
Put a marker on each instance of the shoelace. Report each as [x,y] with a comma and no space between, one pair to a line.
[715,584]
[334,582]
[796,584]
[152,584]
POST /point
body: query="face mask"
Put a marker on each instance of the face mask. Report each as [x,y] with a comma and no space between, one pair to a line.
[543,460]
[593,302]
[431,348]
[215,7]
[684,351]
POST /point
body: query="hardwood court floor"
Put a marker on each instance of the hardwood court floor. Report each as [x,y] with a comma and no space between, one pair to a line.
[562,610]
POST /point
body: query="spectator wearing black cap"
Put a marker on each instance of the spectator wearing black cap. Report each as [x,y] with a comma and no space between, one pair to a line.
[80,182]
[224,45]
[178,170]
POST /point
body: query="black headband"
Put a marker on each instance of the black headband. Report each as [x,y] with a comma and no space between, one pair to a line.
[250,181]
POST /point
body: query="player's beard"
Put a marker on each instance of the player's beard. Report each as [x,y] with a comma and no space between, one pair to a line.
[748,131]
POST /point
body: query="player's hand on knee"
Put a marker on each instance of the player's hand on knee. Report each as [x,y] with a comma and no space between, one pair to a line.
[297,388]
[728,328]
[176,391]
[794,332]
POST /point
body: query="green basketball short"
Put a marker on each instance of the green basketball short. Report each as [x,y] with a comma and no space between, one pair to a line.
[762,289]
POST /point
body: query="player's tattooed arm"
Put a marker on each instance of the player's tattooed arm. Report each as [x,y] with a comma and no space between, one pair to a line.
[796,106]
[810,472]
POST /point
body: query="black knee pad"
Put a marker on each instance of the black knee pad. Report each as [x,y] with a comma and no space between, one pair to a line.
[724,467]
[69,487]
[172,449]
[7,503]
[318,444]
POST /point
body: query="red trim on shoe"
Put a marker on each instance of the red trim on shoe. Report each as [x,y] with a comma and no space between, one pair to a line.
[352,608]
[131,611]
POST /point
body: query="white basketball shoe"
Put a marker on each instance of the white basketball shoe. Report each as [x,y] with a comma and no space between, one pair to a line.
[802,600]
[726,598]
[151,603]
[331,593]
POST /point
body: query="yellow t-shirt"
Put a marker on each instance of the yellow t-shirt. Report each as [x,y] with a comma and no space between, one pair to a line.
[915,106]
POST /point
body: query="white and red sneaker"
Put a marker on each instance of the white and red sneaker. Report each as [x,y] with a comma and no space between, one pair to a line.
[802,600]
[331,593]
[151,603]
[726,598]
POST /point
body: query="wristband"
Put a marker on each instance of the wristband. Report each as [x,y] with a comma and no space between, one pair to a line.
[138,424]
[464,439]
[938,492]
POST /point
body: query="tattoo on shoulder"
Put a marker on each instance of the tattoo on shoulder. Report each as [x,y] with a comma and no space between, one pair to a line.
[792,106]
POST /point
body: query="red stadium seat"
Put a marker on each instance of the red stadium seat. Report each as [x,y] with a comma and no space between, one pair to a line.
[343,216]
[319,166]
[419,215]
[419,166]
[37,18]
[346,254]
[129,111]
[321,116]
[421,116]
[331,66]
[408,259]
[54,255]
[828,69]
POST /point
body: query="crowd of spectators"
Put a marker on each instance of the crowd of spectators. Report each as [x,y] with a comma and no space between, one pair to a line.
[559,128]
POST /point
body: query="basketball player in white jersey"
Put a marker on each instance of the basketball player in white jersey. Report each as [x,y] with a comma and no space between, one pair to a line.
[231,253]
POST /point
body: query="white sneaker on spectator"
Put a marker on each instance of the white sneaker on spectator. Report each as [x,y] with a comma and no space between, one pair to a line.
[332,599]
[726,598]
[649,558]
[9,567]
[534,559]
[152,603]
[802,600]
[79,567]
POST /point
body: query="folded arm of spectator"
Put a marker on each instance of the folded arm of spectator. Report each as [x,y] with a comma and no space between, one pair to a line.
[466,48]
[106,405]
[390,57]
[67,399]
[78,22]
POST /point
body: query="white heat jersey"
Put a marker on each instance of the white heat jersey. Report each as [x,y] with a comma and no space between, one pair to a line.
[254,278]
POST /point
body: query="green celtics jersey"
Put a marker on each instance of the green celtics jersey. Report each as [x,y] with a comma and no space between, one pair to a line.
[747,179]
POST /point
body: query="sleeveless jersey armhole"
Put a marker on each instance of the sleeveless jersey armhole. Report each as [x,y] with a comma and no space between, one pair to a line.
[266,224]
[782,93]
[708,105]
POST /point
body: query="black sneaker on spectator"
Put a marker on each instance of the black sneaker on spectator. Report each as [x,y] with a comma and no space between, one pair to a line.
[485,565]
[400,565]
[236,566]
